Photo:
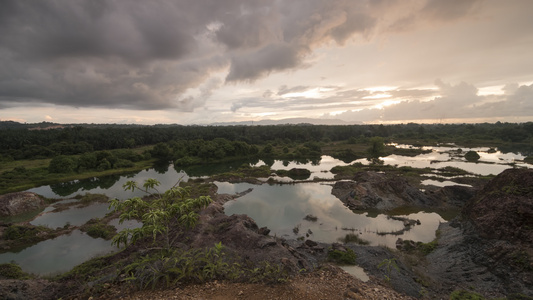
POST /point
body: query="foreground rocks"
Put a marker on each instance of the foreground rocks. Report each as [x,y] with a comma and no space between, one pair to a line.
[489,249]
[13,204]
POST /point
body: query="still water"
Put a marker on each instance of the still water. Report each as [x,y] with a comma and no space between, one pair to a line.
[60,254]
[282,208]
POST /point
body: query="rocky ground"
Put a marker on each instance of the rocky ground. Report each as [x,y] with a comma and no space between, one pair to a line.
[488,249]
[330,283]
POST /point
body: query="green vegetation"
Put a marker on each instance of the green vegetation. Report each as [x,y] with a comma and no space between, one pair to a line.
[25,233]
[35,157]
[13,271]
[376,149]
[342,257]
[472,156]
[465,295]
[354,238]
[167,268]
[389,264]
[172,209]
[96,229]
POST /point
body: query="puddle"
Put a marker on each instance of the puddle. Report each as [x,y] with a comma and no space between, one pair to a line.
[60,254]
[356,271]
[76,216]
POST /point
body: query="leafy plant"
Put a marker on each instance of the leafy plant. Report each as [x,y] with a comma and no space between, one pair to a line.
[389,264]
[159,213]
[167,268]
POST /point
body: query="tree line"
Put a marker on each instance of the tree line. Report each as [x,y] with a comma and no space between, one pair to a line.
[19,142]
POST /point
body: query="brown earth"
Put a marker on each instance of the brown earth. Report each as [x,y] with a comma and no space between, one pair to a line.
[328,283]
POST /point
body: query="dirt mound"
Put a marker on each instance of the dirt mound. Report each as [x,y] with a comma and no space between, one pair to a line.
[504,208]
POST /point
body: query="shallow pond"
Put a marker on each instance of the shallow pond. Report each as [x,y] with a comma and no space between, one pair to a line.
[60,254]
[449,156]
[282,208]
[76,216]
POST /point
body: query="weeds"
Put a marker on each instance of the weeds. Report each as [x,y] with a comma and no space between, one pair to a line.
[389,264]
[165,269]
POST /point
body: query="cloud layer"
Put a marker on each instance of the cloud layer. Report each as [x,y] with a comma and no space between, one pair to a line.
[165,54]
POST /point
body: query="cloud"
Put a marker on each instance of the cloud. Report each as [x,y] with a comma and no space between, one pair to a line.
[150,55]
[455,102]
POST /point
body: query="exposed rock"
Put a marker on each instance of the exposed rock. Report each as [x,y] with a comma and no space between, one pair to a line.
[310,243]
[18,203]
[263,231]
[372,190]
[241,235]
[504,208]
[491,247]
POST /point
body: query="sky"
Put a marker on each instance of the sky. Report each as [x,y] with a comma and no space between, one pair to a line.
[212,61]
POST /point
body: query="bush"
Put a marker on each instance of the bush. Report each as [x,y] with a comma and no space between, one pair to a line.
[62,164]
[12,271]
[342,257]
[472,156]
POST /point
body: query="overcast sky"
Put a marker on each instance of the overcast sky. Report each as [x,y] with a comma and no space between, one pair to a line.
[205,61]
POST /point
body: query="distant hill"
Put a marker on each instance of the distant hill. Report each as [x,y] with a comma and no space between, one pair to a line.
[289,121]
[50,125]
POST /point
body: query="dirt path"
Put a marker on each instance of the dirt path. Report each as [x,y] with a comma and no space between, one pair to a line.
[332,283]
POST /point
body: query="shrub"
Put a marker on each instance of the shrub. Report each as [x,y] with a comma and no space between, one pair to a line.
[12,271]
[472,156]
[342,257]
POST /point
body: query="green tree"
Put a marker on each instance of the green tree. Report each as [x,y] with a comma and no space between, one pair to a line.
[62,164]
[173,209]
[161,151]
[472,156]
[376,149]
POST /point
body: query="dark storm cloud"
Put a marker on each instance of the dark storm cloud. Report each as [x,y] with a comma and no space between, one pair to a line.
[149,54]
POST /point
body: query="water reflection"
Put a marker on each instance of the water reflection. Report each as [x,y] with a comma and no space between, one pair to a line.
[76,216]
[282,208]
[320,168]
[58,255]
[490,162]
[111,186]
